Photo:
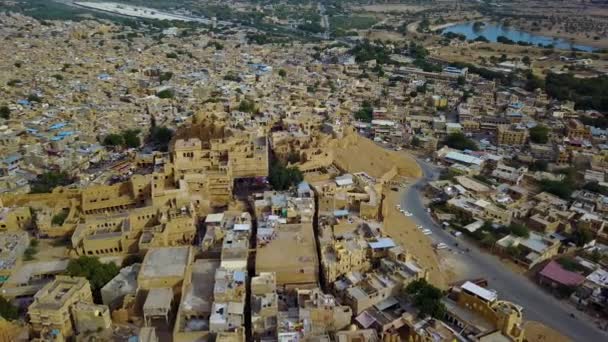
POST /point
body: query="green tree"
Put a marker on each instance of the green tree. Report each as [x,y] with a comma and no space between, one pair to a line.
[460,141]
[7,310]
[539,134]
[247,106]
[563,188]
[282,177]
[5,112]
[166,76]
[161,136]
[34,98]
[47,181]
[365,113]
[582,237]
[131,138]
[166,94]
[172,55]
[426,298]
[95,271]
[59,218]
[282,73]
[519,230]
[113,140]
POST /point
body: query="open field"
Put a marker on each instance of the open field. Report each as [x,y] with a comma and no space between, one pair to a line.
[538,332]
[360,154]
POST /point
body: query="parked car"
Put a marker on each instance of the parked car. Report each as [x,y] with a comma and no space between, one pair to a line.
[441,245]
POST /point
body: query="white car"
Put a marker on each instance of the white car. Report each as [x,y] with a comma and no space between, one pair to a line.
[427,232]
[398,206]
[419,227]
[441,245]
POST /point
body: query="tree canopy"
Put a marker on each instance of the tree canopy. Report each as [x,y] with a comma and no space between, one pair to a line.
[47,181]
[5,112]
[247,106]
[519,230]
[539,134]
[460,141]
[7,310]
[282,177]
[365,113]
[587,93]
[127,139]
[161,136]
[426,298]
[95,271]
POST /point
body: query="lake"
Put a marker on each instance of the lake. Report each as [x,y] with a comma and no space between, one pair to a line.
[493,31]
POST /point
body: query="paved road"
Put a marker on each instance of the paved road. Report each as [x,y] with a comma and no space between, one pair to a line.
[538,304]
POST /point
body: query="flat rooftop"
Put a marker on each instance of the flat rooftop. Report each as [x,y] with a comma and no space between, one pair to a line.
[291,253]
[165,262]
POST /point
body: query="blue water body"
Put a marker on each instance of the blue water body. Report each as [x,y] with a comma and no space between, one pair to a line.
[493,31]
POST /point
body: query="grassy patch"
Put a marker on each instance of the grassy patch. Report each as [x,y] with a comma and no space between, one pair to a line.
[346,23]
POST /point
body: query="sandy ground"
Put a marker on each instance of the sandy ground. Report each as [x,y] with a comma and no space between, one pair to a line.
[48,250]
[538,332]
[383,35]
[404,231]
[364,155]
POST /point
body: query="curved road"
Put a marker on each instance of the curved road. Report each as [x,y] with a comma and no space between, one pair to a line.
[538,304]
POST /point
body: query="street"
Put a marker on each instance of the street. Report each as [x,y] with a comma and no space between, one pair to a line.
[538,305]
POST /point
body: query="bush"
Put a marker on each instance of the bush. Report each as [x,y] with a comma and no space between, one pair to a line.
[247,106]
[282,73]
[172,55]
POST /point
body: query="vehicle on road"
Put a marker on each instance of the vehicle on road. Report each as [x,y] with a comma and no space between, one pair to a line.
[456,233]
[427,232]
[441,245]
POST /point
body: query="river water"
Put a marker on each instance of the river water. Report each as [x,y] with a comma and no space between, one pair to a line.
[493,31]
